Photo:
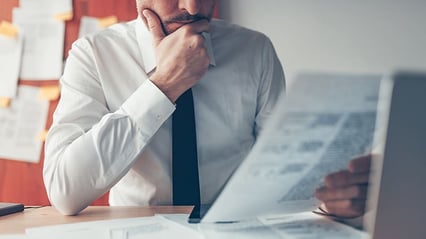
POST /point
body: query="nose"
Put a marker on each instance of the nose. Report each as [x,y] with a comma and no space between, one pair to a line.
[191,6]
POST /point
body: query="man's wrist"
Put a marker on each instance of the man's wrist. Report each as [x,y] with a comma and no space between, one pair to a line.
[169,91]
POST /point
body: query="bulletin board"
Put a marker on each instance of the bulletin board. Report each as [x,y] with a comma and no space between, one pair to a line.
[20,181]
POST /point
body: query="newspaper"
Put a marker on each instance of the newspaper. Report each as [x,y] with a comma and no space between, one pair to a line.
[317,128]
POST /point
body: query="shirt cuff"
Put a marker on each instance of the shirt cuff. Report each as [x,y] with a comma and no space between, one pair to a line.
[148,107]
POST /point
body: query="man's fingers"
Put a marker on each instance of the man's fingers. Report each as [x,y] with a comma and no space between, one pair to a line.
[154,26]
[197,27]
[346,178]
[360,164]
[345,208]
[352,192]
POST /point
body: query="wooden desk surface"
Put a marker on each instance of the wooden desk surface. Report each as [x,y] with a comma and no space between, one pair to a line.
[45,216]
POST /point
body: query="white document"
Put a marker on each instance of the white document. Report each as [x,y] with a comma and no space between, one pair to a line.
[21,124]
[304,225]
[89,25]
[42,57]
[250,229]
[47,6]
[17,236]
[322,123]
[181,219]
[10,62]
[310,226]
[155,227]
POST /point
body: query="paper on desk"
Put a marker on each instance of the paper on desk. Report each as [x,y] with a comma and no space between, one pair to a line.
[249,229]
[304,225]
[17,236]
[308,225]
[155,227]
[316,129]
[20,125]
[10,62]
[43,45]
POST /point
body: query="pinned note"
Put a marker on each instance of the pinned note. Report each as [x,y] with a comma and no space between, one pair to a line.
[42,58]
[107,21]
[67,16]
[93,24]
[4,102]
[8,29]
[21,124]
[49,92]
[11,47]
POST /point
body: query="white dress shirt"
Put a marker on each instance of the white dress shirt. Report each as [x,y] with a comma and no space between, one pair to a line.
[112,127]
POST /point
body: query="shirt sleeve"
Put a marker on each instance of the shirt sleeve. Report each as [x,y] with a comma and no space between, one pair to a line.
[88,148]
[272,84]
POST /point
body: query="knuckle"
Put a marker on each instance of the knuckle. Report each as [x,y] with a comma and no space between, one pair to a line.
[198,40]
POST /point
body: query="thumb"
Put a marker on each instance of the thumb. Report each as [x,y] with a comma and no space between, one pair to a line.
[154,26]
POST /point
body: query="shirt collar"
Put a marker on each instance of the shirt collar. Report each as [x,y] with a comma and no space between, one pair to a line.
[144,39]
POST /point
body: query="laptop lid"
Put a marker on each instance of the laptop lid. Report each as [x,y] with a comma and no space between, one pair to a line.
[398,192]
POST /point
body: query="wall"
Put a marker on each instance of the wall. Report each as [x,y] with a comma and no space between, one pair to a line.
[338,35]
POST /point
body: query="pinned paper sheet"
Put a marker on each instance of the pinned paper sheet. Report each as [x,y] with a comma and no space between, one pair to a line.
[107,21]
[8,29]
[21,125]
[11,46]
[42,135]
[42,58]
[67,16]
[49,92]
[4,102]
[92,24]
[61,8]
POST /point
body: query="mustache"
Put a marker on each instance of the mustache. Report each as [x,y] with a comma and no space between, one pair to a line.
[186,17]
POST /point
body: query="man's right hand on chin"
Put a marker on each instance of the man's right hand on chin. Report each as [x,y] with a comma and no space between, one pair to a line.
[181,56]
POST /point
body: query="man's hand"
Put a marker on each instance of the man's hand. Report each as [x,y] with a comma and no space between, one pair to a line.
[181,56]
[345,192]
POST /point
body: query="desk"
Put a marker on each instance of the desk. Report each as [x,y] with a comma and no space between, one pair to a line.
[45,216]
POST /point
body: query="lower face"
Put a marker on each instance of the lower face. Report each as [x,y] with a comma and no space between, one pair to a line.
[173,17]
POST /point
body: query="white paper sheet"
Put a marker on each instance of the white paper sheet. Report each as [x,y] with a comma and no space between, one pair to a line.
[322,123]
[10,62]
[47,6]
[181,219]
[155,227]
[43,44]
[290,226]
[20,125]
[89,25]
[310,226]
[14,237]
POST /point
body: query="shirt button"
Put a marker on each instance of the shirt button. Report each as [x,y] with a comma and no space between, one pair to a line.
[159,117]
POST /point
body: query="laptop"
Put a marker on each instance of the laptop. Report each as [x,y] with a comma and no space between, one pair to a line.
[398,192]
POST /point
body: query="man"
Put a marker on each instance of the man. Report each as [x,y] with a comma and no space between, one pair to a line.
[112,129]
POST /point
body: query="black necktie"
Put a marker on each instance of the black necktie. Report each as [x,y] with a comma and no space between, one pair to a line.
[186,186]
